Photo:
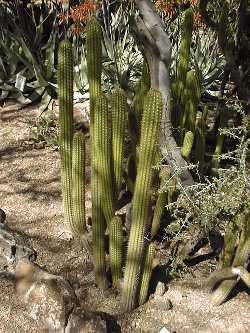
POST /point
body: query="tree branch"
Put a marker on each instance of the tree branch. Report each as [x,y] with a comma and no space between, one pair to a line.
[156,46]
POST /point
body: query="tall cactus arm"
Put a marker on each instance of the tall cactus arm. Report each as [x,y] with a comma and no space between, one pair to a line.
[102,155]
[78,183]
[94,61]
[119,108]
[65,95]
[149,138]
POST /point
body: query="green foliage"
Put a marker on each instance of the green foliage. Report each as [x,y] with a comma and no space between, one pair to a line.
[28,38]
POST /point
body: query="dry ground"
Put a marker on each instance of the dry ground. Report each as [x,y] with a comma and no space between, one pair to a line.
[30,194]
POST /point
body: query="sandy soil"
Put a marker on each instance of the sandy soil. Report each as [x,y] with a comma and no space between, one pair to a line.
[30,194]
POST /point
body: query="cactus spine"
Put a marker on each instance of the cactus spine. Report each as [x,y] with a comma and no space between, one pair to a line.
[146,275]
[65,95]
[149,132]
[115,249]
[119,106]
[78,182]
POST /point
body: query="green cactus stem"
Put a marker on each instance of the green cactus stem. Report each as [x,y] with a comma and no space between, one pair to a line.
[94,61]
[186,37]
[141,91]
[103,153]
[131,172]
[161,203]
[220,139]
[78,183]
[200,139]
[65,95]
[119,114]
[148,141]
[146,275]
[187,144]
[94,69]
[115,249]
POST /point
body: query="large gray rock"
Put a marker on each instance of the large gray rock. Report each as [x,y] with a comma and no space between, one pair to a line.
[49,299]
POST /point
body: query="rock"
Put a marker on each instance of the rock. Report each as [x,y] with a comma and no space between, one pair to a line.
[14,246]
[160,289]
[86,323]
[49,299]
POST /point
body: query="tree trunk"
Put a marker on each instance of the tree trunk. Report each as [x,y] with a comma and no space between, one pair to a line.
[156,47]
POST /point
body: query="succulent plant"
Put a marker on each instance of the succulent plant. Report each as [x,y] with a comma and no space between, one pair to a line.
[141,200]
[119,115]
[146,273]
[78,183]
[65,95]
[116,249]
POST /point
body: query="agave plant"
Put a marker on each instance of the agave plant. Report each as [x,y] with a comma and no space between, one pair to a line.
[28,39]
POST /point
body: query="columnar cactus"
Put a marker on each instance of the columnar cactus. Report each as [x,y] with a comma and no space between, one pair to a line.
[186,37]
[141,91]
[65,95]
[103,153]
[94,69]
[200,139]
[116,249]
[94,62]
[78,183]
[161,203]
[119,114]
[187,144]
[146,274]
[183,105]
[148,141]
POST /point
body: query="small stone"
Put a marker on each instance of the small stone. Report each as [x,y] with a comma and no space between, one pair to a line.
[160,289]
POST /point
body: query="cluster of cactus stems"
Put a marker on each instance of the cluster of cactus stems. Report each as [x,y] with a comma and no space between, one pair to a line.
[189,125]
[107,168]
[107,172]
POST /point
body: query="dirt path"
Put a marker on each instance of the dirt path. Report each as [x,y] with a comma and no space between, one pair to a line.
[30,194]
